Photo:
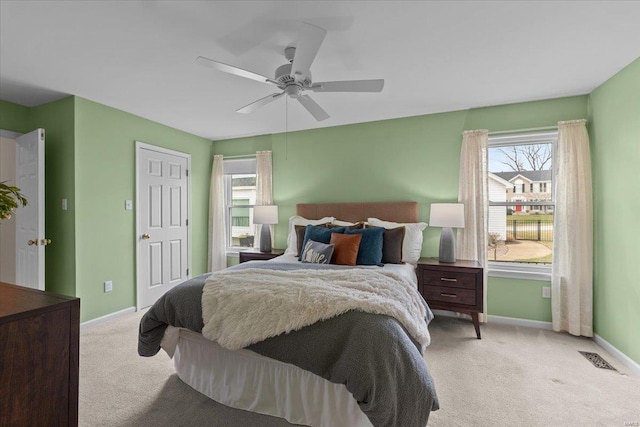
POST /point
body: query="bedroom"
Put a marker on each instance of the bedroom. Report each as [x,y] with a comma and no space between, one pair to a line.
[87,140]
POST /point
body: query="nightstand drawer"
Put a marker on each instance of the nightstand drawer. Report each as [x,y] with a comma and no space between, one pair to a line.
[456,279]
[449,295]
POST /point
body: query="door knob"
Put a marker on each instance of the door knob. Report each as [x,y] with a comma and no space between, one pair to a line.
[45,242]
[32,242]
[145,236]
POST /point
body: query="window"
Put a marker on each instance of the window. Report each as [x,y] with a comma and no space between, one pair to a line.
[240,197]
[521,224]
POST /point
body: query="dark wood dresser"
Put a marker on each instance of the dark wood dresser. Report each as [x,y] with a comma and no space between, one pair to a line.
[39,351]
[455,286]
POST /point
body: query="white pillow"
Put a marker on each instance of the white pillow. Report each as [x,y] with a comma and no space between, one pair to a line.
[292,239]
[412,244]
[342,223]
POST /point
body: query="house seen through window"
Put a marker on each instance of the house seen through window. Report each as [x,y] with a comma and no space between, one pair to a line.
[240,196]
[521,200]
[242,200]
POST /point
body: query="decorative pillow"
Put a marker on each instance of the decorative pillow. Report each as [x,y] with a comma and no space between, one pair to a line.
[346,248]
[319,234]
[412,245]
[370,252]
[300,230]
[316,252]
[292,241]
[392,240]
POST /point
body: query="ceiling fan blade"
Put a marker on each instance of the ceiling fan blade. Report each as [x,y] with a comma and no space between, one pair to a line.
[349,86]
[210,63]
[259,103]
[312,106]
[311,37]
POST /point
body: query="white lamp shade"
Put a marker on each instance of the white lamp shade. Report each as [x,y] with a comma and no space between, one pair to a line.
[267,214]
[447,215]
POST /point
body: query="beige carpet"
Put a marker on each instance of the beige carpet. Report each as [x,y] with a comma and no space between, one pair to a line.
[514,376]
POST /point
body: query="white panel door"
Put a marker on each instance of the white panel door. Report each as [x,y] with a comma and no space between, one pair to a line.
[30,239]
[163,238]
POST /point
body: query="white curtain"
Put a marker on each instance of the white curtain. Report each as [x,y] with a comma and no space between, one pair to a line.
[264,188]
[572,276]
[472,192]
[217,229]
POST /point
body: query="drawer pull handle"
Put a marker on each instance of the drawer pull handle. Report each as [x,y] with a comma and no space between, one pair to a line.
[446,279]
[448,295]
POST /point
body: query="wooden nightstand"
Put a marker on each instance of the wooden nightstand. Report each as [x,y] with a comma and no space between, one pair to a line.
[453,286]
[255,254]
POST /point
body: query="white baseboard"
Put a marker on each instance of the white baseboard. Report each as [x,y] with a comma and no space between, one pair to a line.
[622,358]
[520,322]
[514,321]
[106,318]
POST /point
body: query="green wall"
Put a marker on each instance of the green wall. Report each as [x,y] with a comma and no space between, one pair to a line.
[615,149]
[57,120]
[14,117]
[105,178]
[414,158]
[90,161]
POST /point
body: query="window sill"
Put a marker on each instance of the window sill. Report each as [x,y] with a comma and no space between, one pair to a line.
[520,271]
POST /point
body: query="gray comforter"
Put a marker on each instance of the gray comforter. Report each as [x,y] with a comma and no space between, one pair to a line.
[371,354]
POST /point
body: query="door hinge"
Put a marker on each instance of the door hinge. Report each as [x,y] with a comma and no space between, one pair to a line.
[187,223]
[187,271]
[187,172]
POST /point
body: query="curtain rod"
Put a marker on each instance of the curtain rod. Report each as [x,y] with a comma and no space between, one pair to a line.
[499,132]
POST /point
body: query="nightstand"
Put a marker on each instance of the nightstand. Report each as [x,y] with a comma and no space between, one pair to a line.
[455,286]
[255,254]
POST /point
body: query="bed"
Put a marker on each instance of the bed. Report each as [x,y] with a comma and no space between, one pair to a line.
[356,368]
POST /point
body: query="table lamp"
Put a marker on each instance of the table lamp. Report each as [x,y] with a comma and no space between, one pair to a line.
[447,216]
[265,215]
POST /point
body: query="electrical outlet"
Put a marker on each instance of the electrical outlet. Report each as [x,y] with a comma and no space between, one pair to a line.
[108,286]
[128,205]
[546,292]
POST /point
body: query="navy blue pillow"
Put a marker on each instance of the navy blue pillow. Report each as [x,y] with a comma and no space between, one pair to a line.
[370,252]
[319,233]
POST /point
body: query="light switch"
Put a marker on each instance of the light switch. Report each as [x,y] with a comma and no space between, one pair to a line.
[128,205]
[64,204]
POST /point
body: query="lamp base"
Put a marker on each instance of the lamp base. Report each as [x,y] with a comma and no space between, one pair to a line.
[265,238]
[447,246]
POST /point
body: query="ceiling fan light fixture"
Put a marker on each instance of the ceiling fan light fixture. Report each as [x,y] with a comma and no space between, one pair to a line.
[292,90]
[295,77]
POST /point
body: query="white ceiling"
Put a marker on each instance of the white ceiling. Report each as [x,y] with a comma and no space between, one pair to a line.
[139,56]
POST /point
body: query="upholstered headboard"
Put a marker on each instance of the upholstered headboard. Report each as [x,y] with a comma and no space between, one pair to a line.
[354,212]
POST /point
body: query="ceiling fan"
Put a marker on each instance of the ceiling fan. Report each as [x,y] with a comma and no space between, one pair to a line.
[294,78]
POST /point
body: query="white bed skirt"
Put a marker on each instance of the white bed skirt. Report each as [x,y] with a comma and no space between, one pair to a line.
[246,380]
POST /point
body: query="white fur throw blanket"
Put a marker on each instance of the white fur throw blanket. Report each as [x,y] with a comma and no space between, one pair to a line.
[243,307]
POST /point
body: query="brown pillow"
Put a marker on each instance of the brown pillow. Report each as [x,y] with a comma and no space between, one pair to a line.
[300,229]
[392,244]
[346,248]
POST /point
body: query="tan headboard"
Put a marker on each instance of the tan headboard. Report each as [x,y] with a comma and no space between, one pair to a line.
[354,212]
